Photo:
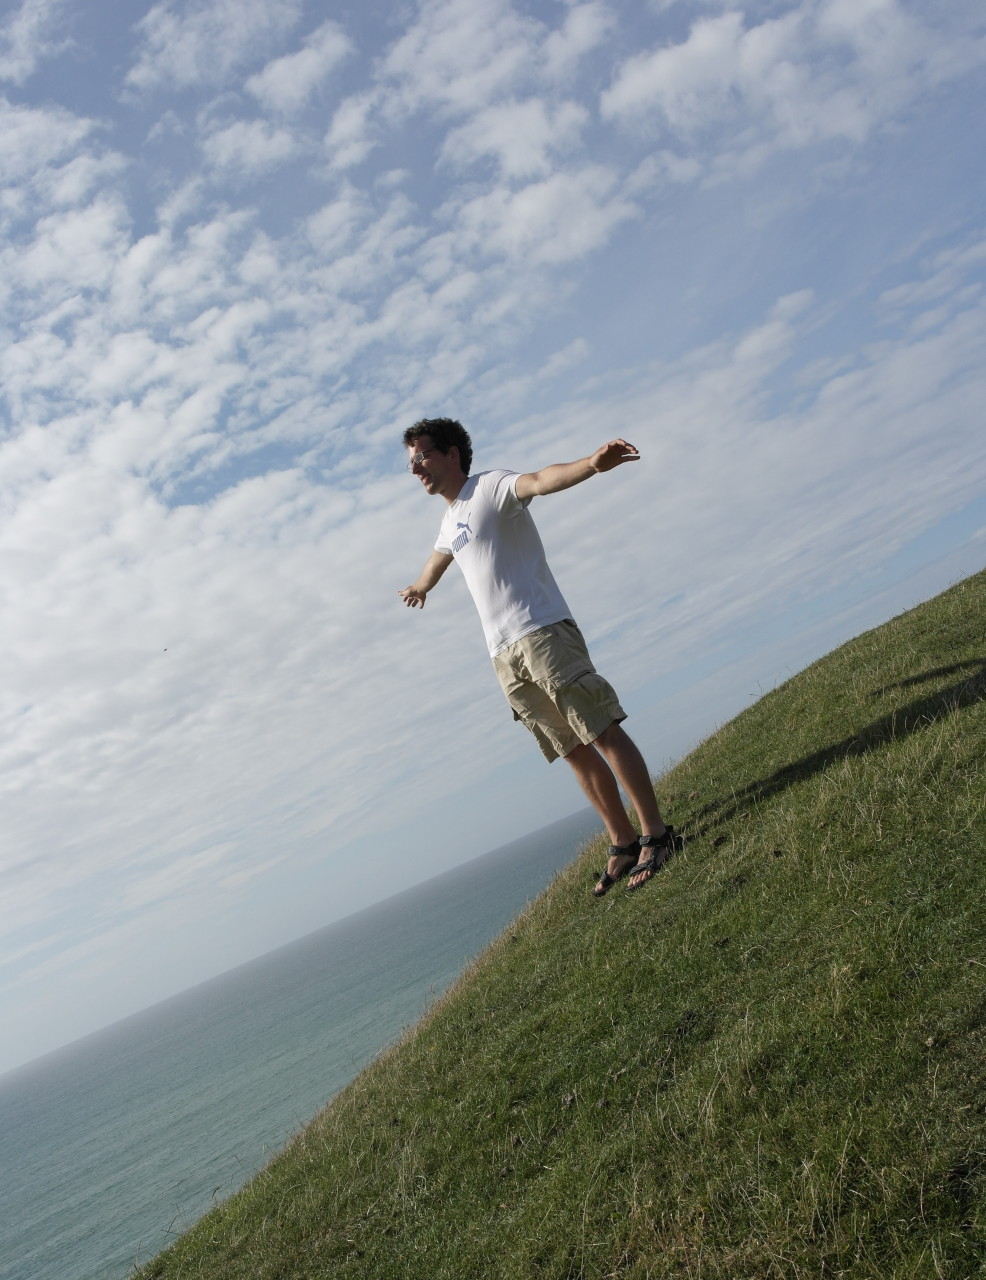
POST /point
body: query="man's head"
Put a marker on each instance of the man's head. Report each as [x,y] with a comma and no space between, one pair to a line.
[444,434]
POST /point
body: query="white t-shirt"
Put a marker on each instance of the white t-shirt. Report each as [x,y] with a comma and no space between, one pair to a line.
[495,542]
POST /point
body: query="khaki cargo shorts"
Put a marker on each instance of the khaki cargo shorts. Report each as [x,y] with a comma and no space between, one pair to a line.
[555,690]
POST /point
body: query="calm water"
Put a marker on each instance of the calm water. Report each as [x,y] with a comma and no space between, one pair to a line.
[114,1144]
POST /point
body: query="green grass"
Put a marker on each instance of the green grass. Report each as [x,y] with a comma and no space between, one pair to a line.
[767,1063]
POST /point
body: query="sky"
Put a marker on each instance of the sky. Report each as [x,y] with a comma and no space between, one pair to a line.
[245,243]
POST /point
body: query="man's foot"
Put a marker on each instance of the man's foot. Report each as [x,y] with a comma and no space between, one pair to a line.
[661,848]
[622,858]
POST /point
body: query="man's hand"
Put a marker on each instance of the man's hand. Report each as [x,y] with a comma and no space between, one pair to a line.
[435,566]
[611,455]
[412,597]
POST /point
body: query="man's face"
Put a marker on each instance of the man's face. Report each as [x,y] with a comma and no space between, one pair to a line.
[437,470]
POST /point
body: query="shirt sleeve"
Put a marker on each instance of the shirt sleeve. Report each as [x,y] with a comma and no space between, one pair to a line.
[501,488]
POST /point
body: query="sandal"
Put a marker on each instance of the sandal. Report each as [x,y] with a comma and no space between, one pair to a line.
[604,880]
[663,846]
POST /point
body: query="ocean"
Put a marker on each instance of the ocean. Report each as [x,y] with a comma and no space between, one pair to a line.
[113,1145]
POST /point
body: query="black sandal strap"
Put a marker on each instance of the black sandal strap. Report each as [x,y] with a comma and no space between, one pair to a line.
[662,847]
[604,881]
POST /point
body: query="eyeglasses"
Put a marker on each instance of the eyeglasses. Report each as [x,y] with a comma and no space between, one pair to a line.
[418,458]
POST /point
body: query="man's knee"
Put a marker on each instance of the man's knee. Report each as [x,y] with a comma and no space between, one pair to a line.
[580,755]
[613,733]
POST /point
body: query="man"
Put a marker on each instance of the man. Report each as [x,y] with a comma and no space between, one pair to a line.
[538,652]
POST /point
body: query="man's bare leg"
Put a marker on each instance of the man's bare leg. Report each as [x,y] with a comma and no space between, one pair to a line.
[629,766]
[597,780]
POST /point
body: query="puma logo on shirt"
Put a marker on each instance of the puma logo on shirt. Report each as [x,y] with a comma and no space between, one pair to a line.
[461,539]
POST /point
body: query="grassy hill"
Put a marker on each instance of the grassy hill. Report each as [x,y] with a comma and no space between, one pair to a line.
[767,1063]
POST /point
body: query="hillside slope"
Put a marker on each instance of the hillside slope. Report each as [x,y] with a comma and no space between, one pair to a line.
[767,1063]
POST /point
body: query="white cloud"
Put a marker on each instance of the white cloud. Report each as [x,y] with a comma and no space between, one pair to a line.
[203,43]
[666,165]
[947,274]
[471,62]
[249,148]
[33,137]
[556,220]
[350,137]
[513,391]
[822,70]
[721,66]
[27,37]
[459,56]
[74,249]
[523,137]
[286,84]
[585,27]
[332,227]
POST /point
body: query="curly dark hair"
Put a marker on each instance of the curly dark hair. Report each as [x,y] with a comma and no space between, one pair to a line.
[444,433]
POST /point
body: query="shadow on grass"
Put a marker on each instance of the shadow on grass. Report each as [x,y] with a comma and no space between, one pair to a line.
[897,724]
[976,665]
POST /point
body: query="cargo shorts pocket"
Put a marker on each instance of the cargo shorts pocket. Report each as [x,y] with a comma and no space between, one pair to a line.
[556,657]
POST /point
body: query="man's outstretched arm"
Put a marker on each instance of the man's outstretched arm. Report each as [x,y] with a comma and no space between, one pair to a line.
[562,475]
[435,566]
